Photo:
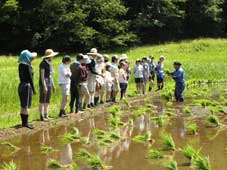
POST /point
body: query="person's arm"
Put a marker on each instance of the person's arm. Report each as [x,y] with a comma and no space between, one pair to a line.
[93,71]
[30,76]
[42,75]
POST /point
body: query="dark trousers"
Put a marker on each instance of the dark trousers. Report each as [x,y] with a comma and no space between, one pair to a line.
[75,98]
[179,90]
[123,87]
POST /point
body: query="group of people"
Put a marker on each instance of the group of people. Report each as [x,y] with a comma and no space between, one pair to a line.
[90,80]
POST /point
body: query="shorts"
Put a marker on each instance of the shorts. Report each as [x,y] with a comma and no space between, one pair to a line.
[160,80]
[25,95]
[139,80]
[45,98]
[65,89]
[152,77]
[123,86]
[115,86]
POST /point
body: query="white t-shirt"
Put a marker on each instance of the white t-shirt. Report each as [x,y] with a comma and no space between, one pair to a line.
[138,70]
[63,70]
[114,71]
[108,78]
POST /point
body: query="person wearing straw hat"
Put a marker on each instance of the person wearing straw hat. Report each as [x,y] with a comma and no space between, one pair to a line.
[26,86]
[46,83]
[64,74]
[74,87]
[84,92]
[92,73]
[178,76]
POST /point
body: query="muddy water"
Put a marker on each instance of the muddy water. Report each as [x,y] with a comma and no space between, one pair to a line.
[124,155]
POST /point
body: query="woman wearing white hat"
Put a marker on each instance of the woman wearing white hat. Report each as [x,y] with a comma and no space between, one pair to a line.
[46,83]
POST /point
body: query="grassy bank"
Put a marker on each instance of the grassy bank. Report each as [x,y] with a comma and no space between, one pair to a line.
[202,60]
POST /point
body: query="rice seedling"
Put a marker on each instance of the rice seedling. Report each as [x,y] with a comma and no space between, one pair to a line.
[155,154]
[130,122]
[213,119]
[168,142]
[171,165]
[167,95]
[192,128]
[92,160]
[73,136]
[115,110]
[46,149]
[189,152]
[201,163]
[9,166]
[10,146]
[220,109]
[160,120]
[126,101]
[204,102]
[225,102]
[139,112]
[115,122]
[188,111]
[52,163]
[74,166]
[143,138]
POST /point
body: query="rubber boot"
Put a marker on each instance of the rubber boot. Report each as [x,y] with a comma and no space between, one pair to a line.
[41,117]
[61,113]
[24,119]
[96,100]
[64,113]
[46,117]
[150,89]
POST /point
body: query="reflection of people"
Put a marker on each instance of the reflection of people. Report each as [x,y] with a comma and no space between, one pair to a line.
[46,83]
[66,155]
[178,76]
[64,74]
[26,86]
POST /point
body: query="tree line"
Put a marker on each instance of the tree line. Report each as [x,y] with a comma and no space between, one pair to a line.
[69,25]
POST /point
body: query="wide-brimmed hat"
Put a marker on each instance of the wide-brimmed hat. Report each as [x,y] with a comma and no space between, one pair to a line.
[177,63]
[138,60]
[100,58]
[162,57]
[86,60]
[49,53]
[123,57]
[93,52]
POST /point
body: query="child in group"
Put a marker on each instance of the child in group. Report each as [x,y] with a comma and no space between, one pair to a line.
[160,73]
[64,74]
[84,92]
[138,71]
[178,76]
[108,82]
[152,67]
[123,79]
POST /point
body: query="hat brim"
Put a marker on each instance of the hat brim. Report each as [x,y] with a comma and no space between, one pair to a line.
[86,62]
[33,54]
[51,55]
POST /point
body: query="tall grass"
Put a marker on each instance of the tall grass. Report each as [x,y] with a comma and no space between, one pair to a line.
[202,60]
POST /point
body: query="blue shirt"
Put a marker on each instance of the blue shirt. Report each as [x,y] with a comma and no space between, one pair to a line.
[159,70]
[178,75]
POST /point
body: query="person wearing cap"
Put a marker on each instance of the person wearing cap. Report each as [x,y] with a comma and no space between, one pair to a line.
[146,73]
[92,73]
[74,87]
[99,91]
[178,76]
[123,79]
[108,82]
[26,86]
[115,74]
[160,73]
[106,58]
[138,71]
[84,92]
[152,66]
[64,74]
[46,83]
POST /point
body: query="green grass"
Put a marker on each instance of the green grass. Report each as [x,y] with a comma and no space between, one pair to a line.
[171,165]
[202,61]
[9,166]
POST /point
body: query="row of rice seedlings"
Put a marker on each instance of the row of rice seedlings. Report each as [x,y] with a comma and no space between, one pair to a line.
[170,112]
[192,128]
[73,136]
[9,166]
[92,160]
[168,142]
[144,138]
[155,154]
[206,102]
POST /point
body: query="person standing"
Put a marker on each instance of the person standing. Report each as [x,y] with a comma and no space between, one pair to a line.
[160,73]
[115,74]
[178,76]
[123,79]
[26,86]
[74,87]
[108,82]
[152,72]
[138,71]
[92,73]
[64,74]
[146,73]
[46,83]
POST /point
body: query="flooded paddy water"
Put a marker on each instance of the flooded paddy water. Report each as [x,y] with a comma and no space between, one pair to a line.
[125,153]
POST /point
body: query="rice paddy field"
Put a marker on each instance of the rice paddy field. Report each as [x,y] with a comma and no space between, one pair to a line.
[142,132]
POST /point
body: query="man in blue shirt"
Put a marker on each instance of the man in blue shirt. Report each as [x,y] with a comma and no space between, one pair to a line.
[178,76]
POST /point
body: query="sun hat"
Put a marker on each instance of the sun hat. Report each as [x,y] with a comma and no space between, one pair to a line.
[123,63]
[177,63]
[93,52]
[106,58]
[161,57]
[86,60]
[49,53]
[26,56]
[138,60]
[114,58]
[123,57]
[100,59]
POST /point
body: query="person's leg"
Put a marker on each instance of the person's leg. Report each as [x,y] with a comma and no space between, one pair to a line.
[144,86]
[72,100]
[78,104]
[46,103]
[122,90]
[180,89]
[102,92]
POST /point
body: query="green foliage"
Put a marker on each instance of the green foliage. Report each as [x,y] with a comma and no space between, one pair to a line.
[202,163]
[168,142]
[213,119]
[46,149]
[192,128]
[171,165]
[187,111]
[143,138]
[74,166]
[52,163]
[9,166]
[160,120]
[155,154]
[189,152]
[73,136]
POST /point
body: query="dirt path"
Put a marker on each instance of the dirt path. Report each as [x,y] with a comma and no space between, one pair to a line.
[9,133]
